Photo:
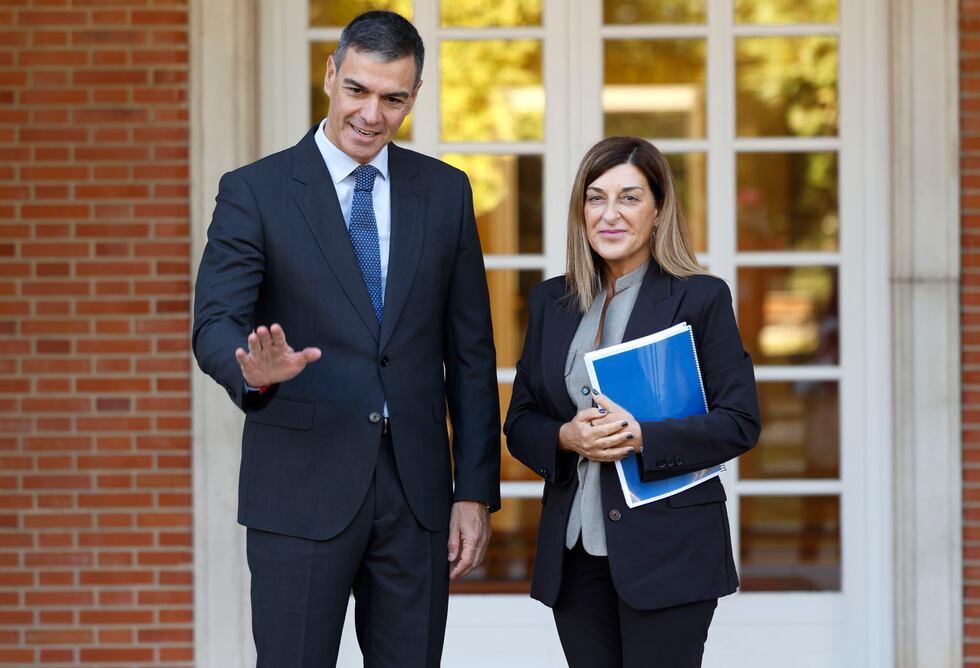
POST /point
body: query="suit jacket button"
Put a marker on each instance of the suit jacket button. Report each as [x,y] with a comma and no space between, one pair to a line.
[585,390]
[670,461]
[374,416]
[661,463]
[678,461]
[385,361]
[614,515]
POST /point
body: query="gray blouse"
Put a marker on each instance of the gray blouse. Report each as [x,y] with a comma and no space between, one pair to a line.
[586,513]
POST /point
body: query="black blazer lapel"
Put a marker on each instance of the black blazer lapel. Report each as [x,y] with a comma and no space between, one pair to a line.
[407,235]
[317,200]
[656,305]
[560,322]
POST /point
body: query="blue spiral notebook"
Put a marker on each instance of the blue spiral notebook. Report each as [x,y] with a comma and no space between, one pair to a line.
[656,377]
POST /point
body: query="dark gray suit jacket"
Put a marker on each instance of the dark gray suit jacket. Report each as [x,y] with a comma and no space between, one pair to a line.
[278,251]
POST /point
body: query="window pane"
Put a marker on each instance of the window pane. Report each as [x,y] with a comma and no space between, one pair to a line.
[788,315]
[508,307]
[492,90]
[482,14]
[510,556]
[790,543]
[507,200]
[801,438]
[510,468]
[320,103]
[340,12]
[653,11]
[654,88]
[786,86]
[785,11]
[787,201]
[691,177]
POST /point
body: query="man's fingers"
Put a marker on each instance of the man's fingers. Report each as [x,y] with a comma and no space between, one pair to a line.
[311,354]
[278,336]
[466,560]
[254,347]
[241,356]
[265,338]
[453,545]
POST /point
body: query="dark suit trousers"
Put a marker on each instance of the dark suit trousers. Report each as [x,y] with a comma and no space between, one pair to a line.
[598,630]
[397,570]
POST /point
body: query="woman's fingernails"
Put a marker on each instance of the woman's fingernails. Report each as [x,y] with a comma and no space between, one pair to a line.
[595,391]
[623,423]
[630,450]
[602,410]
[629,435]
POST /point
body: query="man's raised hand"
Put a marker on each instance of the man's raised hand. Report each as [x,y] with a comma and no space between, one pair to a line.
[270,360]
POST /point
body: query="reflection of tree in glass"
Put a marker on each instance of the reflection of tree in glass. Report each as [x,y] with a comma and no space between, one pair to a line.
[786,86]
[653,11]
[340,12]
[486,178]
[664,84]
[785,11]
[787,201]
[491,90]
[507,199]
[689,182]
[482,14]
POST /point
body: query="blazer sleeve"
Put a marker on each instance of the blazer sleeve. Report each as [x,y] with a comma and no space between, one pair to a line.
[731,426]
[471,369]
[227,287]
[532,434]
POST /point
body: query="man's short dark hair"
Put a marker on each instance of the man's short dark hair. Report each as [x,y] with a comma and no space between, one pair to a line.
[387,35]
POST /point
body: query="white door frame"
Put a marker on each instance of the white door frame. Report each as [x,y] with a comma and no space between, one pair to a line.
[922,193]
[925,285]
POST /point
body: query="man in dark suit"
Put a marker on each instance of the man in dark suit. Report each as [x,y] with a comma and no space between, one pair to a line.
[367,255]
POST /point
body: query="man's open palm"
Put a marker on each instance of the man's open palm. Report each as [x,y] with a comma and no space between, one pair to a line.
[270,360]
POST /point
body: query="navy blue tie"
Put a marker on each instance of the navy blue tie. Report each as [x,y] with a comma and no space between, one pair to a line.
[364,235]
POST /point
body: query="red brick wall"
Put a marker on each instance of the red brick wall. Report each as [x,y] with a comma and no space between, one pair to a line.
[970,314]
[95,470]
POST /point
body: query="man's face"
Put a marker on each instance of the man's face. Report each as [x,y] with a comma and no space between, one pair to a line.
[369,99]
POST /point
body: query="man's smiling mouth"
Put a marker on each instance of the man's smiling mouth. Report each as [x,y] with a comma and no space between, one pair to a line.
[364,133]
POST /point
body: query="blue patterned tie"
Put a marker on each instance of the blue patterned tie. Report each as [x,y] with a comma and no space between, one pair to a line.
[364,235]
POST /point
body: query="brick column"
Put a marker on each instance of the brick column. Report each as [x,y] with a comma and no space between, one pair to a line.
[970,318]
[95,484]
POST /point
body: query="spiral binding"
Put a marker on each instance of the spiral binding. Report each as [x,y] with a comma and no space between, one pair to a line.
[697,365]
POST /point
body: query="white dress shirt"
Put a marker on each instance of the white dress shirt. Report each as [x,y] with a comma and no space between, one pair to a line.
[341,167]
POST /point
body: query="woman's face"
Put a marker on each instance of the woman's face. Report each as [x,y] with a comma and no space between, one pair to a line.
[620,215]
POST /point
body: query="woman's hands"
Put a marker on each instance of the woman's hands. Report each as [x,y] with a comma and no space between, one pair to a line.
[604,434]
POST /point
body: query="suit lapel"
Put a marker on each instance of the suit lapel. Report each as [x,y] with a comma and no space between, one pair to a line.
[407,234]
[656,305]
[560,323]
[316,198]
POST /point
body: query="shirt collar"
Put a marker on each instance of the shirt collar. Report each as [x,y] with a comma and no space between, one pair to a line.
[633,278]
[339,164]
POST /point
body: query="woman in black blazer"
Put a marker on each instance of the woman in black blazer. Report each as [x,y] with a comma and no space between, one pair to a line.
[629,587]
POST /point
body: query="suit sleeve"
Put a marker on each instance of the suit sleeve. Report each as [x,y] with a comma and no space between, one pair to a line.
[227,287]
[731,426]
[471,369]
[532,434]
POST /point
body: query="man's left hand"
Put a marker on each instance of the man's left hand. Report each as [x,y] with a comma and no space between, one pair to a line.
[469,535]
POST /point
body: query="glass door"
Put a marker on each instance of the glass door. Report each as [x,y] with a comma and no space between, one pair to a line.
[757,105]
